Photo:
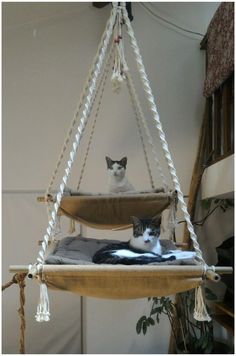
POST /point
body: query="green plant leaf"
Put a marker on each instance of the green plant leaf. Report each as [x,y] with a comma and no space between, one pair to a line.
[154,311]
[138,327]
[209,348]
[206,203]
[140,323]
[144,328]
[151,321]
[205,341]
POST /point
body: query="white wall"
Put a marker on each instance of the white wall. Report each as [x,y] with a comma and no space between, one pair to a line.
[45,62]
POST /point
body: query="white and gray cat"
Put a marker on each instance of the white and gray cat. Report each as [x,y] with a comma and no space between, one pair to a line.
[144,246]
[118,183]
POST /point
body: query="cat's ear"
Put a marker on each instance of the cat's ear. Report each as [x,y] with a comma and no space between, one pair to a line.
[109,161]
[123,161]
[136,221]
[156,220]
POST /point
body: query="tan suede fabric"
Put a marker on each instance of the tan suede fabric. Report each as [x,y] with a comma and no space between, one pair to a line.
[122,282]
[114,211]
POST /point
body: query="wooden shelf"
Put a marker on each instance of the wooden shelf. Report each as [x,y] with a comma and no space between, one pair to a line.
[224,315]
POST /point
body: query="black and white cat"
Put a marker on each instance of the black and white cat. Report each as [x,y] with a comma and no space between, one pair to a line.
[118,183]
[144,246]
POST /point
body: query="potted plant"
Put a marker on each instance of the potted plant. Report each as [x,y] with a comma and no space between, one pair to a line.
[190,335]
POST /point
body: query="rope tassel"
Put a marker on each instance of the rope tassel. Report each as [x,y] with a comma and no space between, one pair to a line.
[43,313]
[200,311]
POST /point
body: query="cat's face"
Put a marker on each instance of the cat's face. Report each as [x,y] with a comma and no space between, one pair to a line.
[146,232]
[116,168]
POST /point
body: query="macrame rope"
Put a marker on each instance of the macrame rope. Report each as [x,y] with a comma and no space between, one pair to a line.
[21,311]
[19,278]
[120,66]
[135,98]
[83,120]
[200,311]
[43,307]
[10,283]
[141,136]
[102,85]
[76,114]
[164,144]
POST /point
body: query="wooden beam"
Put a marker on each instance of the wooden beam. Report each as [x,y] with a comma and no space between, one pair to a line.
[209,131]
[226,113]
[198,170]
[217,123]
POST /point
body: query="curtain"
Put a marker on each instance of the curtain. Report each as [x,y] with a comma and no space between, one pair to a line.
[220,48]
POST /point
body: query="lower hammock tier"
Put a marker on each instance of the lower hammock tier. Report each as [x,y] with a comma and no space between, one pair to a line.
[122,282]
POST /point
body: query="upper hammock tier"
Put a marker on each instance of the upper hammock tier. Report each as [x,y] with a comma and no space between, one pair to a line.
[113,211]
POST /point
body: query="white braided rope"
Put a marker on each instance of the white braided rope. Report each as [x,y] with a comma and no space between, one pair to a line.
[75,145]
[101,88]
[151,100]
[76,114]
[144,122]
[137,118]
[120,65]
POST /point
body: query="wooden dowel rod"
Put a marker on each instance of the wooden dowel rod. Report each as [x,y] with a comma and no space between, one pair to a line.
[215,277]
[18,268]
[218,269]
[43,199]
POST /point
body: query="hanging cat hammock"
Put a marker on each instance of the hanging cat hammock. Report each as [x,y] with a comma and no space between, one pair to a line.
[114,211]
[108,212]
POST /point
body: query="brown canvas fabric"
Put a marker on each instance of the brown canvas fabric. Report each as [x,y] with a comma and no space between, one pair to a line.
[113,211]
[122,282]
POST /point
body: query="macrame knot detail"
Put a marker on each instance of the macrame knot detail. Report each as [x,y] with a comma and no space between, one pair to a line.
[200,311]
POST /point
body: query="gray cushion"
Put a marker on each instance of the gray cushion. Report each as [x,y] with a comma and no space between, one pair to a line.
[74,250]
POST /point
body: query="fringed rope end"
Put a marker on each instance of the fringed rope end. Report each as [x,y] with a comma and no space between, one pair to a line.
[200,311]
[43,313]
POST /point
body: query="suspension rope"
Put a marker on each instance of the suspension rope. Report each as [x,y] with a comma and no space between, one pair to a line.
[19,278]
[102,85]
[135,98]
[76,114]
[137,119]
[81,127]
[151,100]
